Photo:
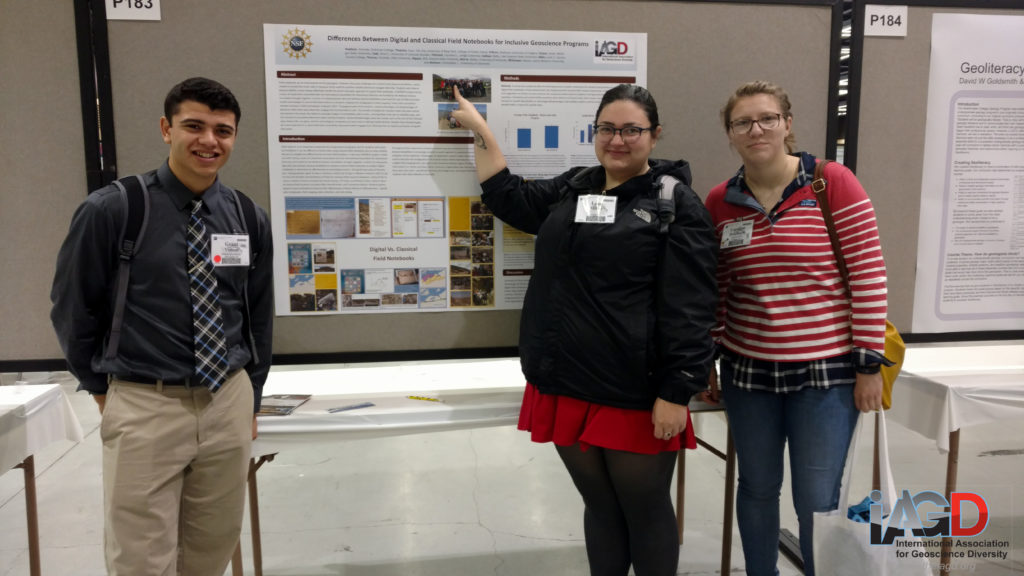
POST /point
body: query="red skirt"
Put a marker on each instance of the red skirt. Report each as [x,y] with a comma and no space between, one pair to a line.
[566,421]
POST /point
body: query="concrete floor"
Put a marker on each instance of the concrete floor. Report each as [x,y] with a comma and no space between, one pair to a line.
[483,501]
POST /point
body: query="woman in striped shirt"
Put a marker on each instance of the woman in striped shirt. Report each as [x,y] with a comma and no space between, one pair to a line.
[799,354]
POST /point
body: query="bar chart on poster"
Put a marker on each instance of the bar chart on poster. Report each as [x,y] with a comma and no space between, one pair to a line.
[525,139]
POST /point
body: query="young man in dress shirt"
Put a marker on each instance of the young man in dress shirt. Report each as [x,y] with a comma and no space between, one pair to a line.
[176,434]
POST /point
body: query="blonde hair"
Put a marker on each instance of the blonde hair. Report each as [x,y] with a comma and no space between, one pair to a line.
[761,87]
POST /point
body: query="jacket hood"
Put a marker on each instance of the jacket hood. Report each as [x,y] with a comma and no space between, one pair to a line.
[678,168]
[585,178]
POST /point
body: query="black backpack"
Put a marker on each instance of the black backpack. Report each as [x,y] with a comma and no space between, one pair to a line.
[136,198]
[666,202]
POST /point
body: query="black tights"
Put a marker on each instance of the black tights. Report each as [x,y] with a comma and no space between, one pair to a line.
[628,516]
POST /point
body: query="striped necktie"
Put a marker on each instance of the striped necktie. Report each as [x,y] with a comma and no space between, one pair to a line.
[207,321]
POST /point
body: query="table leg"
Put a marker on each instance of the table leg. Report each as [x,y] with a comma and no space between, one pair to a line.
[730,499]
[254,519]
[236,560]
[952,462]
[28,465]
[254,513]
[730,494]
[680,491]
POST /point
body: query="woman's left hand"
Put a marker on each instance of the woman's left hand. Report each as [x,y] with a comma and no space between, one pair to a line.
[867,392]
[669,419]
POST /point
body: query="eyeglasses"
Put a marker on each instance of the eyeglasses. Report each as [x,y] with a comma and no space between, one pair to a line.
[766,122]
[628,133]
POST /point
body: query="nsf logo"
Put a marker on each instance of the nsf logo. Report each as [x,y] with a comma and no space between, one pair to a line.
[297,44]
[610,48]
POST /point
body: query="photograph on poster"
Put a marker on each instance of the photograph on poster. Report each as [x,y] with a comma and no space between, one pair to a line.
[302,293]
[483,291]
[431,277]
[459,252]
[433,298]
[323,258]
[338,223]
[445,121]
[474,89]
[481,254]
[352,281]
[300,258]
[460,238]
[302,222]
[326,300]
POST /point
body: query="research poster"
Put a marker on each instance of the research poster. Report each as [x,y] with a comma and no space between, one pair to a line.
[970,274]
[375,205]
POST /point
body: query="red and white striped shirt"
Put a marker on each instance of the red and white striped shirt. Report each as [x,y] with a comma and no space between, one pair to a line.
[781,296]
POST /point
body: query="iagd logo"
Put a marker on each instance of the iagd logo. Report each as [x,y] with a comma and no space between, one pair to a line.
[925,515]
[610,48]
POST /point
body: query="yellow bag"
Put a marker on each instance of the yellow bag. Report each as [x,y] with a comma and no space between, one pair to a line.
[894,346]
[895,349]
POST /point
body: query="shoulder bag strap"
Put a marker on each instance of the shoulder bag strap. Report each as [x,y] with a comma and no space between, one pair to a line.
[819,185]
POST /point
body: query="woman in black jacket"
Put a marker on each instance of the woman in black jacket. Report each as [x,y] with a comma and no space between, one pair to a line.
[615,329]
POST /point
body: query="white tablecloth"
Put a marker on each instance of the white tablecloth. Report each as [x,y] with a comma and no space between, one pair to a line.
[392,414]
[31,417]
[469,394]
[945,388]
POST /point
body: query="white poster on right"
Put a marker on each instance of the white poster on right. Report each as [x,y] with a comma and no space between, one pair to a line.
[970,256]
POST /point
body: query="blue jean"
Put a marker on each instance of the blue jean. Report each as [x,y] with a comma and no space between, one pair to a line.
[818,425]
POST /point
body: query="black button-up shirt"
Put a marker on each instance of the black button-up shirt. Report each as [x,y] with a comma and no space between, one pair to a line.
[156,339]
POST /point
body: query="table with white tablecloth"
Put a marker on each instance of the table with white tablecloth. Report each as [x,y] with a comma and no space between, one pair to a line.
[31,418]
[946,389]
[394,399]
[939,403]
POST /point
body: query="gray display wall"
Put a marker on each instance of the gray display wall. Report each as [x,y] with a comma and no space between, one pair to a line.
[698,53]
[888,117]
[42,176]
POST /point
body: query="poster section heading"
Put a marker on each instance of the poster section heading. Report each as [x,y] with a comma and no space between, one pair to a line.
[374,196]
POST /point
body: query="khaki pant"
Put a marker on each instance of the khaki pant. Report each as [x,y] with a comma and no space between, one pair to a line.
[175,463]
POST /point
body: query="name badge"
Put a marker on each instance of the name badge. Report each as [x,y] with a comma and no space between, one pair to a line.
[229,249]
[737,234]
[595,209]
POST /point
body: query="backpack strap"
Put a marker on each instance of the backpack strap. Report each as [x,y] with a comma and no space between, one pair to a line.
[666,202]
[247,210]
[136,200]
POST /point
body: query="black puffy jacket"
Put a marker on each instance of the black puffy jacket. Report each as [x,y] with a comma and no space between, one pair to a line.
[617,314]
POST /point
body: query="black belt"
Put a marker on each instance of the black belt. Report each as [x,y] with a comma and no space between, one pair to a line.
[147,380]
